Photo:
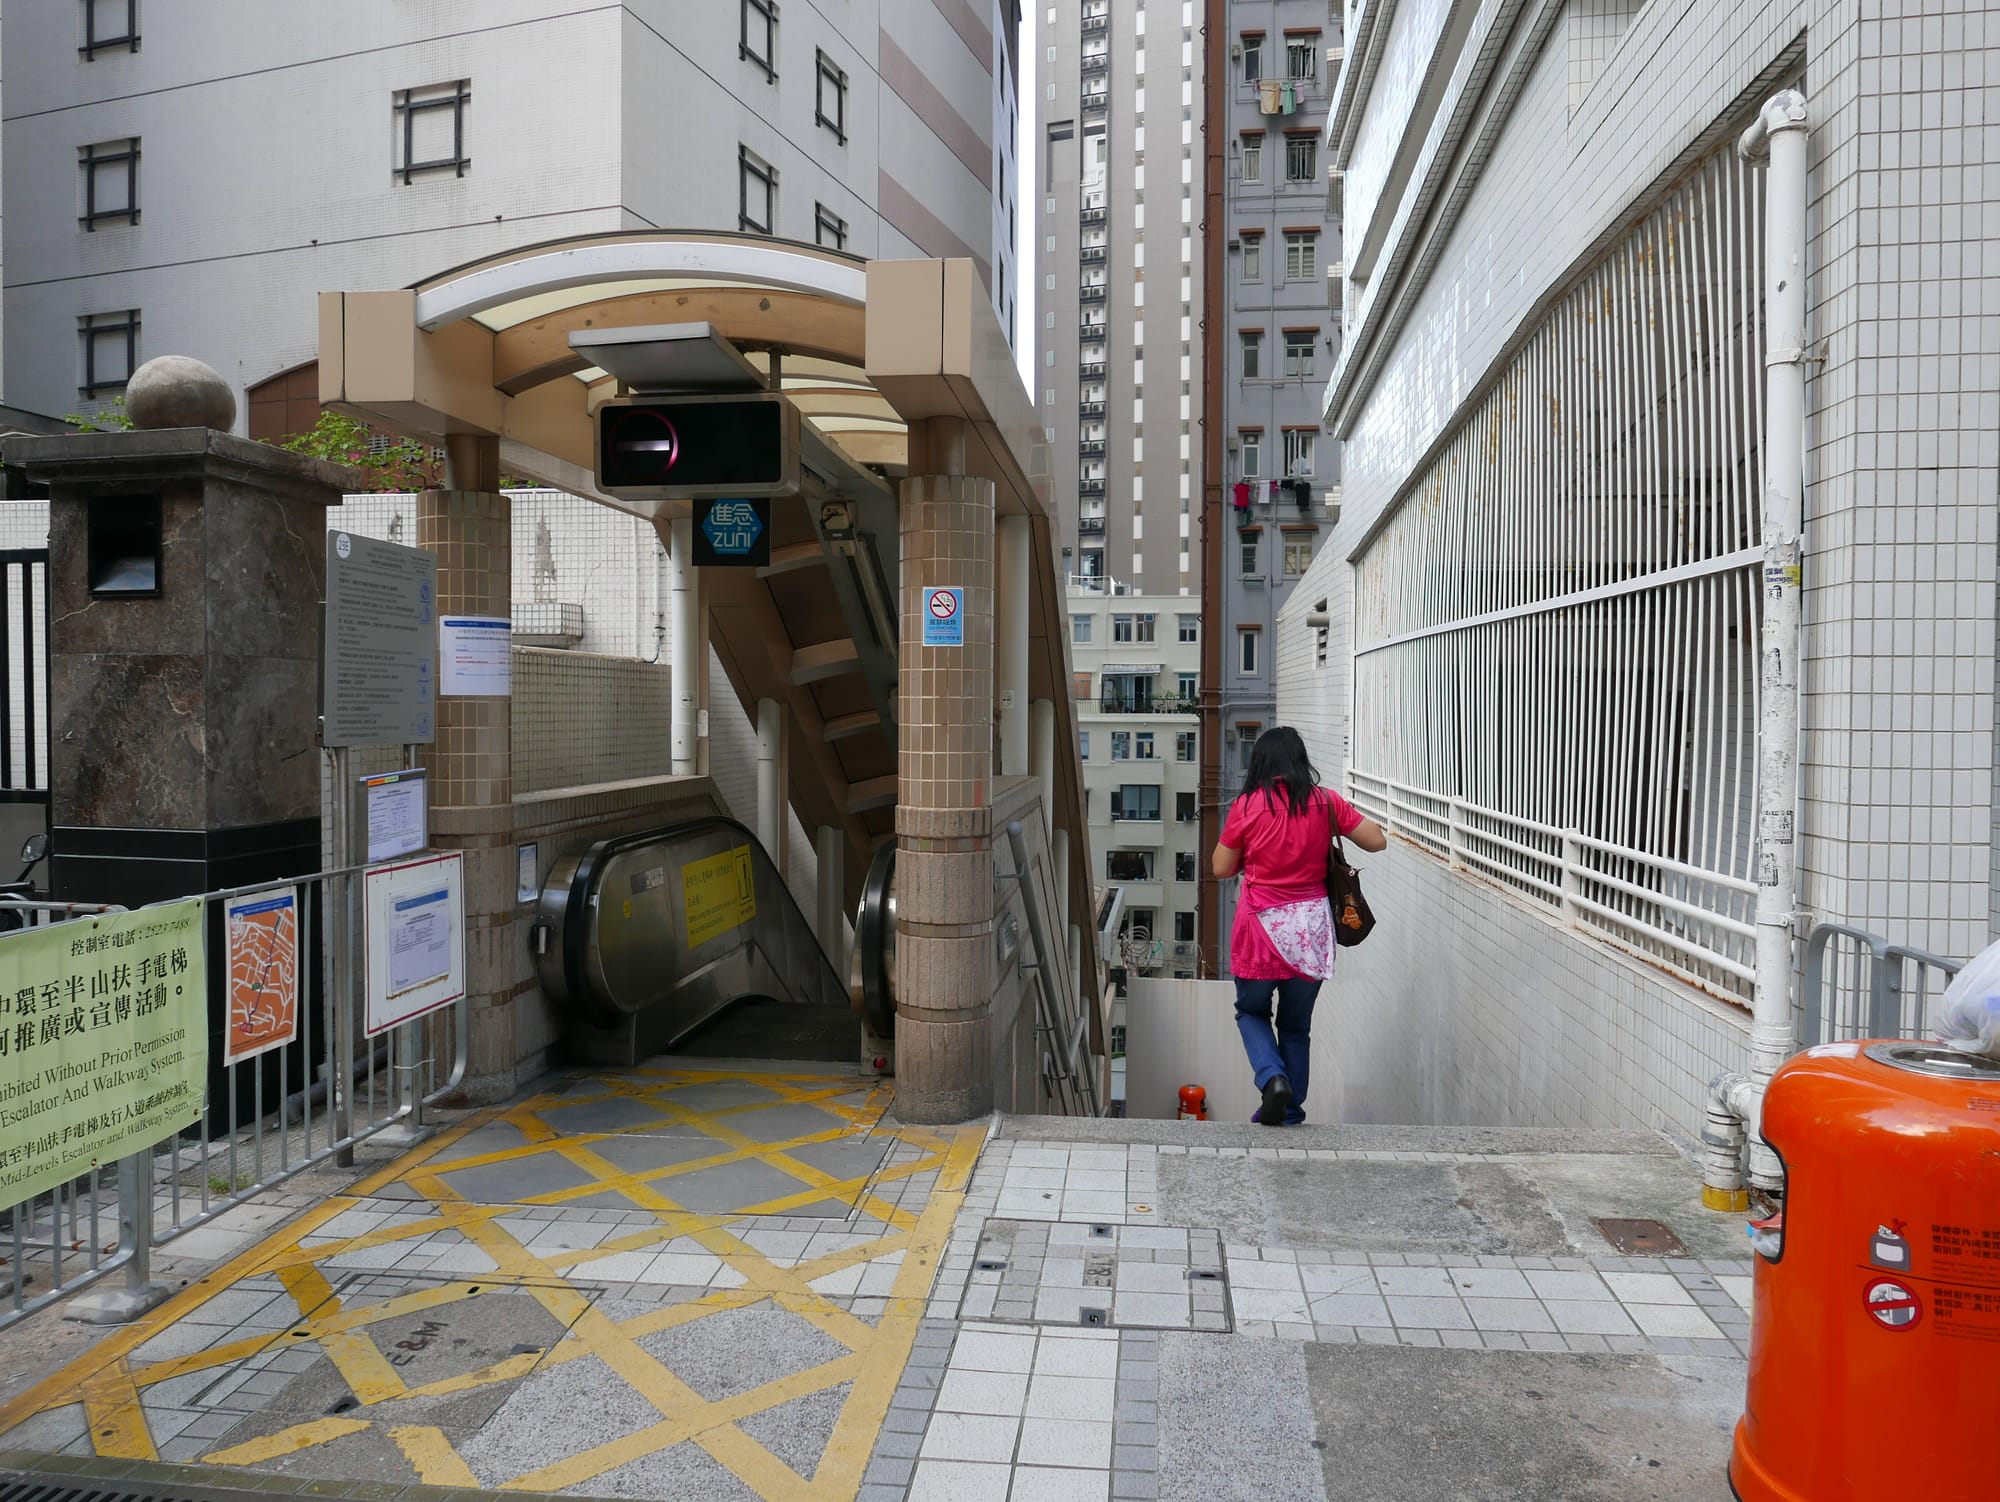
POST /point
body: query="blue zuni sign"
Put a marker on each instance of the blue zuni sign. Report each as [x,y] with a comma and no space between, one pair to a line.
[732,527]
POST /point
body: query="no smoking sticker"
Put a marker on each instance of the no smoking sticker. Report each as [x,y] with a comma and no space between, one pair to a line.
[1892,1305]
[944,616]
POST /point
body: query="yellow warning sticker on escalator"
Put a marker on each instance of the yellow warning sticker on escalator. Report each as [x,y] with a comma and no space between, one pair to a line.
[720,893]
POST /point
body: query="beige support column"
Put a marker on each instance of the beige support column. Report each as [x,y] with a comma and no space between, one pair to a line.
[944,806]
[771,805]
[831,886]
[1010,641]
[1042,755]
[471,770]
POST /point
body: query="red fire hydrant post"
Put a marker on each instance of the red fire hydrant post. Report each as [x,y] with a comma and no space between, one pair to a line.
[1194,1103]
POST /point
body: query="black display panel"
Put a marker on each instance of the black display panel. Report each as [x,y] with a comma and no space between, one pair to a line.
[692,445]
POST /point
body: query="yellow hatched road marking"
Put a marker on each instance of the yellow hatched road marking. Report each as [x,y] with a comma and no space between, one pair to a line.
[117,1422]
[286,1442]
[350,1349]
[436,1462]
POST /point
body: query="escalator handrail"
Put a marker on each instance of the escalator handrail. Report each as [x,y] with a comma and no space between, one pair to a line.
[878,1006]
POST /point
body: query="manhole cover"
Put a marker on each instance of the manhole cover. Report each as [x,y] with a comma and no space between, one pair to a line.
[1641,1238]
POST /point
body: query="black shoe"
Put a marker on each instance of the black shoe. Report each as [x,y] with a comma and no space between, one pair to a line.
[1277,1101]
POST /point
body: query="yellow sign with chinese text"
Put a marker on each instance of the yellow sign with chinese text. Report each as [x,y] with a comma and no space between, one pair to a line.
[103,1042]
[719,893]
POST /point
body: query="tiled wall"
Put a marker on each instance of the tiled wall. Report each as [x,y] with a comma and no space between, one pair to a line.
[581,719]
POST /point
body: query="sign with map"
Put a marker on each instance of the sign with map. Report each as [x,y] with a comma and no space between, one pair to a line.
[262,938]
[103,1042]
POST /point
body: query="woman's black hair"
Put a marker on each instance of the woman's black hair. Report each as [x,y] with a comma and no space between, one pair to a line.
[1279,767]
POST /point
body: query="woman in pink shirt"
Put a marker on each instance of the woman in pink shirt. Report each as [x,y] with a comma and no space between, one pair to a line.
[1281,945]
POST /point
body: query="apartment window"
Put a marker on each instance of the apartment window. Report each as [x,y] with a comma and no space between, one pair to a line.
[1253,353]
[1135,802]
[757,189]
[1299,352]
[759,42]
[1117,1040]
[430,129]
[110,350]
[1298,553]
[1246,742]
[1145,625]
[829,229]
[830,107]
[1246,649]
[1142,747]
[1128,865]
[1183,928]
[1184,809]
[1183,745]
[1301,158]
[1246,554]
[1253,159]
[1121,745]
[1079,629]
[1253,58]
[1301,255]
[1121,628]
[1127,693]
[110,182]
[1188,627]
[1184,865]
[1083,745]
[1188,687]
[109,24]
[1253,454]
[1298,451]
[1302,57]
[1079,686]
[1253,258]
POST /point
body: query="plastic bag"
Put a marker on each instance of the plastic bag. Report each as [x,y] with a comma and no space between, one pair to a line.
[1970,1019]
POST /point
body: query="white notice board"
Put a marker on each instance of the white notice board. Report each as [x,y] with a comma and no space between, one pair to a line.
[395,814]
[415,938]
[475,657]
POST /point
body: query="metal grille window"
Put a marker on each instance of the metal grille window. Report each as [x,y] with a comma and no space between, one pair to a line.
[1302,58]
[110,350]
[759,41]
[430,129]
[1299,448]
[1253,159]
[1253,353]
[757,192]
[1299,356]
[109,24]
[1301,255]
[1302,158]
[829,229]
[1555,678]
[110,182]
[1246,553]
[830,105]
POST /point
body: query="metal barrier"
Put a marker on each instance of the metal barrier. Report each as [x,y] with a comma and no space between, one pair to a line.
[1859,985]
[265,1118]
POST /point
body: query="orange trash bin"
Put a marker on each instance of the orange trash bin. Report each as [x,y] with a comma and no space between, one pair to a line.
[1884,1282]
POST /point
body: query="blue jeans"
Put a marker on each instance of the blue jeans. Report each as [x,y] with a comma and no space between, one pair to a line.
[1286,1051]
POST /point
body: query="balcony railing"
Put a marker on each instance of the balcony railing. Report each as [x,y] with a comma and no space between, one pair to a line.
[1090,331]
[1091,292]
[1090,370]
[1091,255]
[1094,26]
[1090,487]
[1090,213]
[1090,446]
[1096,62]
[1089,409]
[1116,702]
[1090,526]
[1094,100]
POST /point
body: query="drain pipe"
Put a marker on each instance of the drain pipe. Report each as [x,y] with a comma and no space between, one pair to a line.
[1736,1101]
[683,641]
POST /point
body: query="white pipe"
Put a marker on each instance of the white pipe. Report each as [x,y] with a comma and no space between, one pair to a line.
[770,779]
[684,640]
[1779,137]
[1010,642]
[1042,755]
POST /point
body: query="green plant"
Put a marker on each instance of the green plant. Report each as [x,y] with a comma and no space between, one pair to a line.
[110,418]
[403,464]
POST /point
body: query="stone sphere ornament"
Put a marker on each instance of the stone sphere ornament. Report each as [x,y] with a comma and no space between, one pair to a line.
[176,391]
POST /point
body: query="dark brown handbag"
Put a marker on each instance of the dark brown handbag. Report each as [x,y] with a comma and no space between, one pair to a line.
[1353,919]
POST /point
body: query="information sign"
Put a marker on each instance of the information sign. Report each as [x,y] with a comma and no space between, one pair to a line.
[395,812]
[261,932]
[944,616]
[379,668]
[415,923]
[732,534]
[106,1042]
[718,893]
[476,653]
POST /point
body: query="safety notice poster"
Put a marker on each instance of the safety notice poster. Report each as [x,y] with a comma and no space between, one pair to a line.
[103,1042]
[475,658]
[719,893]
[415,925]
[261,932]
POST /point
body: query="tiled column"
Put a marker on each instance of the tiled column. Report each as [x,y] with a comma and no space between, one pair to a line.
[944,809]
[472,784]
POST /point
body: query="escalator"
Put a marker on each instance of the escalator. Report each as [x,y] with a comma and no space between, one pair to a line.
[686,939]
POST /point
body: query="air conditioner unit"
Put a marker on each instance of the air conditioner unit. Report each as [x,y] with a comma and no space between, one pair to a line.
[1234,246]
[1236,50]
